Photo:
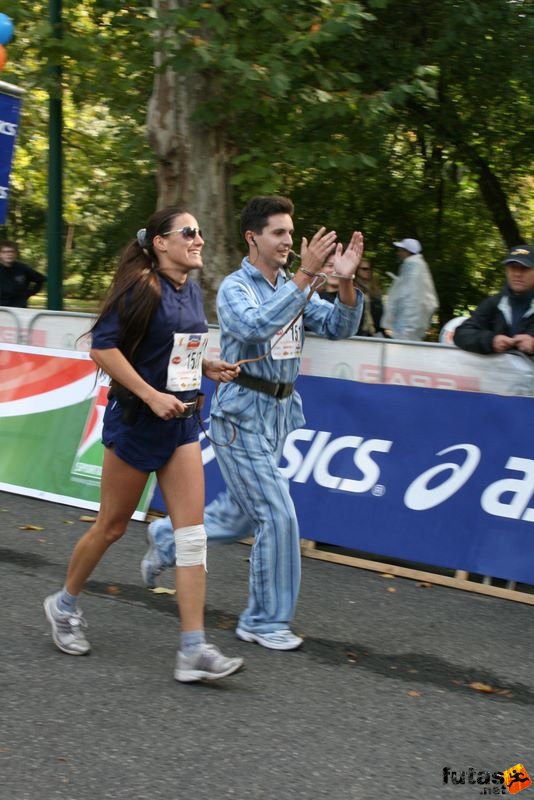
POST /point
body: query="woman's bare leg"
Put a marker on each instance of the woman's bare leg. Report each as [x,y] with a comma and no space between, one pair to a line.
[181,482]
[121,489]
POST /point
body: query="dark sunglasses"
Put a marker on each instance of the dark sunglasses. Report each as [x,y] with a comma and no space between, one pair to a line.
[187,232]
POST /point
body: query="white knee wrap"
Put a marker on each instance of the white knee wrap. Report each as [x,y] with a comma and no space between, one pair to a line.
[191,546]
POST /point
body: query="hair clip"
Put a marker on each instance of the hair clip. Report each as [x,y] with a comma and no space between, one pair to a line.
[141,238]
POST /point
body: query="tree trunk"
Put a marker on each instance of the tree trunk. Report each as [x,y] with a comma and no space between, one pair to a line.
[497,203]
[193,165]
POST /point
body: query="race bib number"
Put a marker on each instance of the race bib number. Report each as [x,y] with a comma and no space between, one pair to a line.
[289,345]
[185,364]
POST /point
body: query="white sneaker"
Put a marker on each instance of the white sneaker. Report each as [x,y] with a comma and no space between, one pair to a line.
[274,640]
[206,663]
[67,627]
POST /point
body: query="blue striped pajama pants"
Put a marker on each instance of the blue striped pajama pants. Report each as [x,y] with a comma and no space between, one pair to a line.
[250,469]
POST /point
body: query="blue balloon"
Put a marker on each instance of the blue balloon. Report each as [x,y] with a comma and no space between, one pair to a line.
[6,29]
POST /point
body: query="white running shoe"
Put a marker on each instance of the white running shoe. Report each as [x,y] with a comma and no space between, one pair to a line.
[67,627]
[274,640]
[206,663]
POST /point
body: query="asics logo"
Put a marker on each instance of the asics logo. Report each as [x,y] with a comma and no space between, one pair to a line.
[420,497]
[8,128]
[311,455]
[318,460]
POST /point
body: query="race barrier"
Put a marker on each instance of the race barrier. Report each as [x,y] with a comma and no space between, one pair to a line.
[436,478]
[63,330]
[367,360]
[415,459]
[51,410]
[10,328]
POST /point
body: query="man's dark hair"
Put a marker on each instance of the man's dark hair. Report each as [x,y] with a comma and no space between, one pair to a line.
[10,245]
[257,211]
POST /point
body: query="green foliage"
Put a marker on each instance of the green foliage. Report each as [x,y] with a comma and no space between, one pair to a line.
[398,117]
[108,167]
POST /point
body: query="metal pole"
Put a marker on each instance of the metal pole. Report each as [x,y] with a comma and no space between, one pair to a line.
[55,175]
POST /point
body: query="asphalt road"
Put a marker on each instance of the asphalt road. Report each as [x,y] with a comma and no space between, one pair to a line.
[378,702]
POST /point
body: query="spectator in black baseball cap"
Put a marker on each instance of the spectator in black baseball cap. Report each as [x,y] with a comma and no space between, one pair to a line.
[504,321]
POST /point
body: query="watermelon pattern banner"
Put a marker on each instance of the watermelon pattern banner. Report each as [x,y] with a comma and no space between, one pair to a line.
[51,410]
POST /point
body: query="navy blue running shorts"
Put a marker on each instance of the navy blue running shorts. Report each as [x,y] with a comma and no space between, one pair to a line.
[150,441]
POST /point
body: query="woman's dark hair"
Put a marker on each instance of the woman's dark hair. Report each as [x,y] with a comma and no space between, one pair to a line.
[257,211]
[135,289]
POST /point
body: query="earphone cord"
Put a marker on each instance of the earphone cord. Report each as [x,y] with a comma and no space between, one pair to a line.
[315,286]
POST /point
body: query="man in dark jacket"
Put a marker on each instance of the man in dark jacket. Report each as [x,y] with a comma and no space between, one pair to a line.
[18,281]
[504,321]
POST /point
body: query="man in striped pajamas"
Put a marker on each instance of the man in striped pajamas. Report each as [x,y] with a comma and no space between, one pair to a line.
[262,316]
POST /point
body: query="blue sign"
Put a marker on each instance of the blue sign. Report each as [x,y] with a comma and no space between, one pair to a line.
[440,478]
[9,121]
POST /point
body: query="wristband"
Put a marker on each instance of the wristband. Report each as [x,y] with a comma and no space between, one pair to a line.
[308,272]
[343,277]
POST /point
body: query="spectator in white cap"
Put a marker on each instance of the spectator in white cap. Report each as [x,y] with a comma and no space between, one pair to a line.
[504,321]
[412,298]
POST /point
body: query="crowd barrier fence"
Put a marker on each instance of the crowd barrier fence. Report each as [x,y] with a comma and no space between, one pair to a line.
[416,458]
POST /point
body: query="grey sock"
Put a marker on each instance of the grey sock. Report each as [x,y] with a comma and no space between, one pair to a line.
[67,602]
[190,640]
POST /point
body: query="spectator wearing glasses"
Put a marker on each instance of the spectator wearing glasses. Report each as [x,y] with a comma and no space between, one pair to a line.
[150,338]
[329,290]
[373,309]
[18,281]
[504,321]
[366,282]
